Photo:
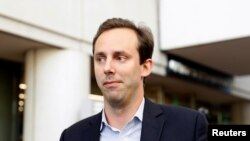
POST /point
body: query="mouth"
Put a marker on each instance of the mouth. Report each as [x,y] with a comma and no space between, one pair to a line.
[110,84]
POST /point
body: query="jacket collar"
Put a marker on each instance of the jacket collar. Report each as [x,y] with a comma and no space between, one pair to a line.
[94,130]
[153,122]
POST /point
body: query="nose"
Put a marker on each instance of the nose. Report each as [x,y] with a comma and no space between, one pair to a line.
[108,67]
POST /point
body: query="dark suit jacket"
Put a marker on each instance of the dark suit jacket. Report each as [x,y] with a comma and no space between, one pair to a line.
[160,123]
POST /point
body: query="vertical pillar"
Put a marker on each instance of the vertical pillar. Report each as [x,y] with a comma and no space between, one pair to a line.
[58,84]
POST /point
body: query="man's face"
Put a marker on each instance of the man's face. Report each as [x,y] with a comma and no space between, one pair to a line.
[116,63]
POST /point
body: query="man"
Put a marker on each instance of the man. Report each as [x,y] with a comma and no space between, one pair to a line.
[122,60]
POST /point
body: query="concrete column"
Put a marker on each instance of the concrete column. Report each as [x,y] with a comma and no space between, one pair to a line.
[58,85]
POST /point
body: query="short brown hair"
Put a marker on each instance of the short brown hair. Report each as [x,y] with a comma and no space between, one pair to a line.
[144,35]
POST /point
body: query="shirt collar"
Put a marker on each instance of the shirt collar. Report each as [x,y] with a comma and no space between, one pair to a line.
[138,114]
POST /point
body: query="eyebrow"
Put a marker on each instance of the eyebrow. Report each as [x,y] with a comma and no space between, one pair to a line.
[121,53]
[115,53]
[99,54]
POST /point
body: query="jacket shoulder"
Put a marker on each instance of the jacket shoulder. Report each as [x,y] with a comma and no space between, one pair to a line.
[85,123]
[83,130]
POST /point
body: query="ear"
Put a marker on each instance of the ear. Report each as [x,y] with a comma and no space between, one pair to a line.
[146,68]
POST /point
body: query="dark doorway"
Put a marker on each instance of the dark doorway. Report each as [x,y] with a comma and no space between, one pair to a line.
[10,118]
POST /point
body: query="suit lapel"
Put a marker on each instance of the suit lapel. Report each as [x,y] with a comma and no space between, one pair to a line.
[153,122]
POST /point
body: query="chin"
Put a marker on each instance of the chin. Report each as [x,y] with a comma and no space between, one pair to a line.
[114,100]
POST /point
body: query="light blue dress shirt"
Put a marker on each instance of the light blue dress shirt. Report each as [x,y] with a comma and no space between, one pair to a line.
[130,132]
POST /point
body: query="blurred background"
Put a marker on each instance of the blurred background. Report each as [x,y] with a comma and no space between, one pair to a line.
[201,60]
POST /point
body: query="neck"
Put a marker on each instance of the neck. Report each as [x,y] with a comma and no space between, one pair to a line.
[118,117]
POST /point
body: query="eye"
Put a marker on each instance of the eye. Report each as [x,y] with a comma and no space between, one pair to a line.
[121,58]
[100,59]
